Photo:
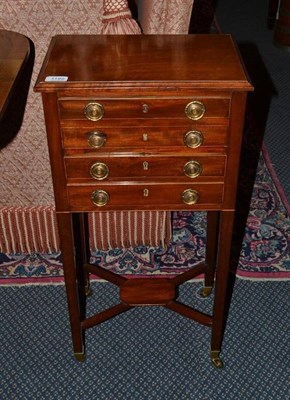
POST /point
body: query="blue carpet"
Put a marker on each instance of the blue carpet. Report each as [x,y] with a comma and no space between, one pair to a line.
[146,353]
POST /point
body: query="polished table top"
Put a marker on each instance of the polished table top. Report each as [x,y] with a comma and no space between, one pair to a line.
[134,60]
[14,51]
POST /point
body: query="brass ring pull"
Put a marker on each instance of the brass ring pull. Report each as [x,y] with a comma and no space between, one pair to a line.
[190,197]
[100,198]
[193,139]
[195,110]
[99,171]
[192,169]
[96,139]
[94,111]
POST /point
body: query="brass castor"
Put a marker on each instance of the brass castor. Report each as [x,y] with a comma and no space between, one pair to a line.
[205,291]
[216,360]
[80,357]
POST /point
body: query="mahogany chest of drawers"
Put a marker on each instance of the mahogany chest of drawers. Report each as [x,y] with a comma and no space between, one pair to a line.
[144,123]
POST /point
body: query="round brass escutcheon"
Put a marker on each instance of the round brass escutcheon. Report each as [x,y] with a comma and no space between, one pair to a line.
[99,171]
[192,169]
[195,110]
[100,198]
[94,111]
[193,139]
[190,196]
[96,139]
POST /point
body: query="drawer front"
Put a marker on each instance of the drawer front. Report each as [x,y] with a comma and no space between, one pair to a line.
[101,138]
[145,108]
[145,197]
[145,167]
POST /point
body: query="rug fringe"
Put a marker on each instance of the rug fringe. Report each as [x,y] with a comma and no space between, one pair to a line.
[28,230]
[34,229]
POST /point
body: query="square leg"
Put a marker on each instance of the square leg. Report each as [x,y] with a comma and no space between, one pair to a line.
[221,284]
[66,233]
[211,252]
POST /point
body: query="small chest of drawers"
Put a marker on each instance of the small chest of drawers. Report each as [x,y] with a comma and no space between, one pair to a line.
[144,123]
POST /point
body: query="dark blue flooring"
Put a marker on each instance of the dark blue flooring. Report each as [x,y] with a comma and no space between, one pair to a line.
[146,353]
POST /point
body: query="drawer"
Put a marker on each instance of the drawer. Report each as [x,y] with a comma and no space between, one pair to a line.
[138,196]
[101,138]
[144,108]
[145,167]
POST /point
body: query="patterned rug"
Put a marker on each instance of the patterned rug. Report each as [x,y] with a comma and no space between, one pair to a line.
[261,243]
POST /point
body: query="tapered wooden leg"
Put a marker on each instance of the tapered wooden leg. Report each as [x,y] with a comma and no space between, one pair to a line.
[221,283]
[211,252]
[66,233]
[80,225]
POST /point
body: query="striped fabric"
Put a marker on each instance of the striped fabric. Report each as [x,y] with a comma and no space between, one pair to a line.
[28,230]
[129,229]
[34,229]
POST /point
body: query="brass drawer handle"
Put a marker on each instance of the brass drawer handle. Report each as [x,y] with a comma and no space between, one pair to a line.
[190,196]
[193,139]
[96,139]
[100,198]
[192,169]
[99,171]
[195,110]
[94,111]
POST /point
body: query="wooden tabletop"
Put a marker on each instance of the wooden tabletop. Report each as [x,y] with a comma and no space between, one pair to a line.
[14,51]
[130,60]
